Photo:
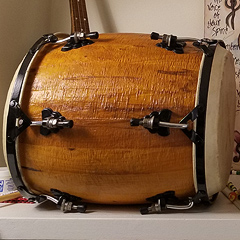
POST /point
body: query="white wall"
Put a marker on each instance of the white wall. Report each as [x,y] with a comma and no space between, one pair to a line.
[23,21]
[172,16]
[183,17]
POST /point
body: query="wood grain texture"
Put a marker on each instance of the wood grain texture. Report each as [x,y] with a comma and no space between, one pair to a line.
[101,87]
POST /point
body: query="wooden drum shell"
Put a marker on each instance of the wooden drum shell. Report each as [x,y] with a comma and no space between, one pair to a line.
[100,87]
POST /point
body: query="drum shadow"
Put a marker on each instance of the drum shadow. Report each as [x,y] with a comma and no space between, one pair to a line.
[46,206]
[105,40]
[107,208]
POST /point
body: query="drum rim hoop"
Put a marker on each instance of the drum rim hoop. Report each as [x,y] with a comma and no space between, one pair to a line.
[11,118]
[202,98]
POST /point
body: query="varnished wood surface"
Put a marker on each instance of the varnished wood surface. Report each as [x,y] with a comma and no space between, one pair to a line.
[101,87]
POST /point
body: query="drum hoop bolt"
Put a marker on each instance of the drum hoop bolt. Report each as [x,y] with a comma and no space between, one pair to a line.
[78,39]
[158,122]
[155,122]
[166,200]
[52,122]
[177,44]
[67,202]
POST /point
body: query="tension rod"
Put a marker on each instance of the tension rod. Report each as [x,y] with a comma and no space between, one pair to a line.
[78,36]
[168,38]
[51,122]
[149,123]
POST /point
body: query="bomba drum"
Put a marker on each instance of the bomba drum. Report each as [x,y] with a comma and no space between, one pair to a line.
[121,121]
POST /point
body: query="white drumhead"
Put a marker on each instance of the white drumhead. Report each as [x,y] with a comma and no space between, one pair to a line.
[220,119]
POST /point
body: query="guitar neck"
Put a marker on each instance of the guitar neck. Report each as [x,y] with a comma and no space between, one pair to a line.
[79,18]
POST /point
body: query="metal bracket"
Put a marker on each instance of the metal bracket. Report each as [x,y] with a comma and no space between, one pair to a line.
[176,44]
[19,119]
[192,116]
[156,122]
[79,39]
[52,122]
[205,45]
[163,201]
[66,202]
[169,42]
[46,38]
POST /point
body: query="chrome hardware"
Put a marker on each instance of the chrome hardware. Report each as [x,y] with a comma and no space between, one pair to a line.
[78,39]
[66,206]
[158,122]
[69,206]
[66,202]
[149,123]
[77,36]
[181,207]
[176,44]
[166,200]
[157,208]
[19,121]
[168,38]
[52,122]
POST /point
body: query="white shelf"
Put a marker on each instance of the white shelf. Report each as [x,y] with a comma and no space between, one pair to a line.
[44,221]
